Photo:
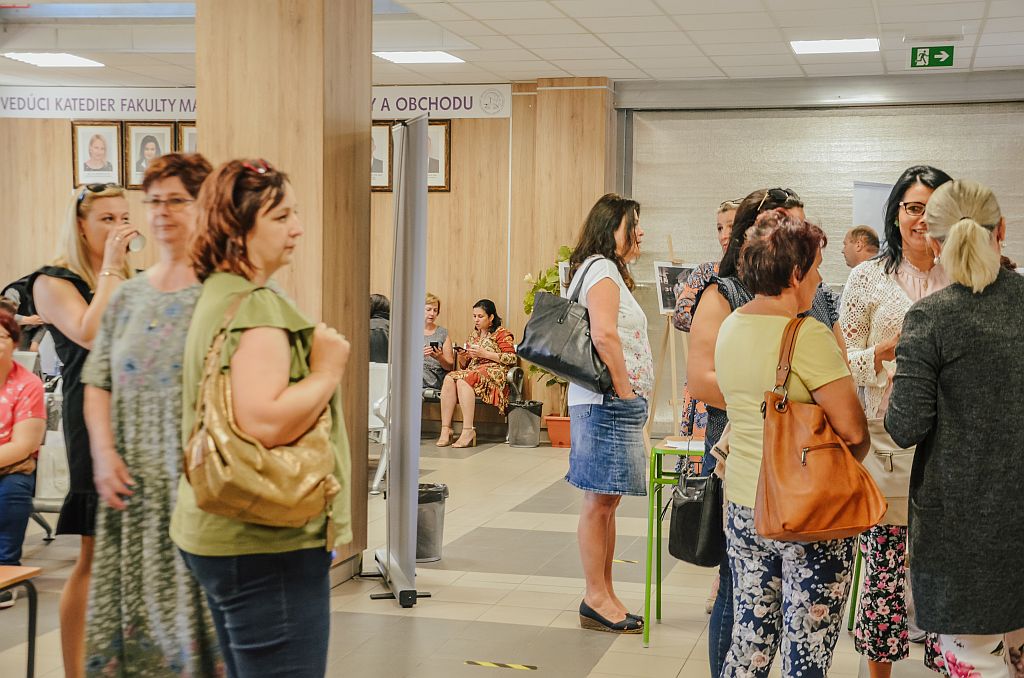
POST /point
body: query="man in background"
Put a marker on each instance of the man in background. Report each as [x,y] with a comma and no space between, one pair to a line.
[859,245]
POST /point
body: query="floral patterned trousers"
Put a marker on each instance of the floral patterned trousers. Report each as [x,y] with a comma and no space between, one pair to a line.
[786,595]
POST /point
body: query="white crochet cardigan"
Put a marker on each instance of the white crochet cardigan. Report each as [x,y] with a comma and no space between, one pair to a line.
[872,311]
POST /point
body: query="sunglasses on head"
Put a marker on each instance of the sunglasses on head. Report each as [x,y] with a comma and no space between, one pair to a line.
[783,197]
[94,188]
[261,166]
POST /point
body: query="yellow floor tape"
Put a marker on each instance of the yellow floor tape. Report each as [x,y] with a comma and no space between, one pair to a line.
[497,665]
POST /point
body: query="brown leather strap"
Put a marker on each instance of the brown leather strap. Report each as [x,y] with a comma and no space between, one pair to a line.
[786,351]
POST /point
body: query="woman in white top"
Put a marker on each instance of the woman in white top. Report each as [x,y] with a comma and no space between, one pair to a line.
[878,295]
[607,458]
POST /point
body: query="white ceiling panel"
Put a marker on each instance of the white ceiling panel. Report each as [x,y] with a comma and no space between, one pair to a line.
[831,32]
[607,8]
[755,60]
[723,22]
[574,64]
[988,51]
[682,63]
[741,35]
[658,38]
[686,74]
[933,27]
[535,26]
[494,42]
[764,71]
[1006,25]
[585,71]
[810,5]
[525,9]
[820,70]
[988,38]
[999,62]
[632,24]
[659,51]
[956,11]
[567,40]
[491,55]
[854,58]
[741,48]
[851,16]
[1002,8]
[552,53]
[440,11]
[467,29]
[703,7]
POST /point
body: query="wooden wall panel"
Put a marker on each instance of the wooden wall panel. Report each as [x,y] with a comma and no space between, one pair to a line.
[291,83]
[467,239]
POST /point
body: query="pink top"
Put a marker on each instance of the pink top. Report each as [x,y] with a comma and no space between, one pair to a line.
[918,284]
[21,398]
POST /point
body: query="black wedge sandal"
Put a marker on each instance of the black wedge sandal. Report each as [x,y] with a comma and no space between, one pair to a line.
[590,619]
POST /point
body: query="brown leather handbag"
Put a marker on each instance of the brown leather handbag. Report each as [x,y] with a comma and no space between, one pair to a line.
[235,476]
[811,487]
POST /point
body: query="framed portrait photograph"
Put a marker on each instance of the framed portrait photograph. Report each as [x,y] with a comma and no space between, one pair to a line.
[96,152]
[670,279]
[144,142]
[188,140]
[381,152]
[439,155]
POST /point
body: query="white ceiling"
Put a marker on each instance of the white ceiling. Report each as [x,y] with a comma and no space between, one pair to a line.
[509,40]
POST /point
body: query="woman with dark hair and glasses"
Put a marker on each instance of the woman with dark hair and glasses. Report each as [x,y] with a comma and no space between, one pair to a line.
[70,296]
[726,293]
[146,611]
[608,456]
[878,295]
[481,367]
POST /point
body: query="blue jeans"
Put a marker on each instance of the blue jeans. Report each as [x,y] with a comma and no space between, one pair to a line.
[720,625]
[16,490]
[271,610]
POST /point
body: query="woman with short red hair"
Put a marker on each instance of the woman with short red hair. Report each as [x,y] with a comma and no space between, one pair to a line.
[22,424]
[787,594]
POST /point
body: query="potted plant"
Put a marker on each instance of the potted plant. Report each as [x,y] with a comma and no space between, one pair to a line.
[548,281]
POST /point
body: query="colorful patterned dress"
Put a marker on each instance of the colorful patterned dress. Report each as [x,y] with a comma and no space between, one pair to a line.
[487,377]
[147,615]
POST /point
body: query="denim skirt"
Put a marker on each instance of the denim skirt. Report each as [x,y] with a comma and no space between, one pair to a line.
[607,455]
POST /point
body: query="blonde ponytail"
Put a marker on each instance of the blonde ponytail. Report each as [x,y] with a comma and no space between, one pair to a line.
[969,257]
[965,216]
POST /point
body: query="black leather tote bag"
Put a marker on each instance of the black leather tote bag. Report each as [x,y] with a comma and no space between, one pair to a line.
[557,338]
[695,532]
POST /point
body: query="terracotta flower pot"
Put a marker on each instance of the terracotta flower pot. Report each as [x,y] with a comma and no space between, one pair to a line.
[558,431]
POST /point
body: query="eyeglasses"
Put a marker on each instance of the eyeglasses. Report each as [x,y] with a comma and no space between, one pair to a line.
[172,204]
[914,209]
[94,188]
[783,197]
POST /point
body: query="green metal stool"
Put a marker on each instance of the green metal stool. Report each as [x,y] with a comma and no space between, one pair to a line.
[658,478]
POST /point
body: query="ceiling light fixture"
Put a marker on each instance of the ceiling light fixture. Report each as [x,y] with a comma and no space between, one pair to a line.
[834,46]
[53,60]
[419,57]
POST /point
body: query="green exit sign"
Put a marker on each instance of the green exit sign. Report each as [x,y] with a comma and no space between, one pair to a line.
[931,57]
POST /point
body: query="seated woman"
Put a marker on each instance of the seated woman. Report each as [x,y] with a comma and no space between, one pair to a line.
[380,328]
[22,424]
[438,357]
[483,364]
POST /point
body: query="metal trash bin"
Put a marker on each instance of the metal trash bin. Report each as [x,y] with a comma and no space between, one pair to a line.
[524,423]
[430,522]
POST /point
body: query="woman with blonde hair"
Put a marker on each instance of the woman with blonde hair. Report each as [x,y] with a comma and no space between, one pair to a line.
[965,518]
[70,296]
[438,355]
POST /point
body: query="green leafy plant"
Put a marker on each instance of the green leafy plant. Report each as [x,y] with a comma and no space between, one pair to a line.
[548,281]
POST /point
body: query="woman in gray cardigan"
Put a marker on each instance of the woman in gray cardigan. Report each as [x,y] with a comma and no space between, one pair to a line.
[958,394]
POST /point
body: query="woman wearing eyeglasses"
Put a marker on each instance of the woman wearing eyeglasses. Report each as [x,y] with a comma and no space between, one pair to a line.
[878,295]
[146,611]
[70,296]
[712,306]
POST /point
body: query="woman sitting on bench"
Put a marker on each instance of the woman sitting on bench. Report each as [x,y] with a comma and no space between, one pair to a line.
[482,365]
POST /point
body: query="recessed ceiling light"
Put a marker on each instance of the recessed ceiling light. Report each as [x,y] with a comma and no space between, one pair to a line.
[53,60]
[834,46]
[419,57]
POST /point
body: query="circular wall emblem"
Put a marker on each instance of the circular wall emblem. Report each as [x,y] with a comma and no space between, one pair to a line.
[492,101]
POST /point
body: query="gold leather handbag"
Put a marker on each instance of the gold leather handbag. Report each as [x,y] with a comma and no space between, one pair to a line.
[235,476]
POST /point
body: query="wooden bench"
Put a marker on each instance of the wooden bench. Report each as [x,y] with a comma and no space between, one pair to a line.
[10,578]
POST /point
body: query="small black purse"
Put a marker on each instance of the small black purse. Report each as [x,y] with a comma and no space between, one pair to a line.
[696,533]
[557,338]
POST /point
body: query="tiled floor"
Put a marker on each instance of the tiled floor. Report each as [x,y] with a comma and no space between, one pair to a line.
[506,590]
